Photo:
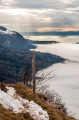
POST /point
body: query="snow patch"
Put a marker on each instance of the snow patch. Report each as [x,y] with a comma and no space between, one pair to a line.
[7,32]
[17,104]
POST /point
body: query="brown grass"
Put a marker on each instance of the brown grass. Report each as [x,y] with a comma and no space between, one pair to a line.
[3,87]
[27,93]
[8,115]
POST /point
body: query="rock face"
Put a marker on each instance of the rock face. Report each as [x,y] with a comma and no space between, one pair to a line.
[14,39]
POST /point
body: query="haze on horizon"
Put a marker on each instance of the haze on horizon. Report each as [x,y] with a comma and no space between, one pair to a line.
[40,16]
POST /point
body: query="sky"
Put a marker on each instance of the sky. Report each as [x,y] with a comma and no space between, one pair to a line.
[40,15]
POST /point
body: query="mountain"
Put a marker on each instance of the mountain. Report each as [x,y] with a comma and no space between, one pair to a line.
[15,56]
[77,42]
[14,61]
[52,33]
[43,42]
[14,39]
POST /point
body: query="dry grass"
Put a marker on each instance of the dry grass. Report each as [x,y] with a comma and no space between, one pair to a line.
[27,93]
[3,87]
[8,115]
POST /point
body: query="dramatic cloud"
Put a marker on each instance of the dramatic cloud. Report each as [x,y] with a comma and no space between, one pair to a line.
[43,15]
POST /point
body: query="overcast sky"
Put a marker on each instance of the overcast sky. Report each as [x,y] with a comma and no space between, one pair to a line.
[40,15]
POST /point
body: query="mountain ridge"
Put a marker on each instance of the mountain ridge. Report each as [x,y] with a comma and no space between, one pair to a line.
[14,60]
[52,33]
[14,39]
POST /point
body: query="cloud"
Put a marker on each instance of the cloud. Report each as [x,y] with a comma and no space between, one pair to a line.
[46,29]
[34,15]
[40,4]
[33,4]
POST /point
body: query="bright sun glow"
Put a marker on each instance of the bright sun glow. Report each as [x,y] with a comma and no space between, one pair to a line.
[14,11]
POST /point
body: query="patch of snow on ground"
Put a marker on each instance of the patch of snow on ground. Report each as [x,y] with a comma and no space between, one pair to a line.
[15,103]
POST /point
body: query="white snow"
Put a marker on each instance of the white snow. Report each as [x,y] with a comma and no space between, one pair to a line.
[17,104]
[7,32]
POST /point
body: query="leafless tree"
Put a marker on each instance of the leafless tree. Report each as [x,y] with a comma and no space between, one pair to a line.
[42,77]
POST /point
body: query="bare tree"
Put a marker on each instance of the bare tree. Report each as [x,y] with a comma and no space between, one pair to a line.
[33,71]
[27,76]
[42,77]
[55,100]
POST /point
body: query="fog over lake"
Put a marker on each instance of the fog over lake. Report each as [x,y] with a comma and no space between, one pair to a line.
[68,39]
[66,80]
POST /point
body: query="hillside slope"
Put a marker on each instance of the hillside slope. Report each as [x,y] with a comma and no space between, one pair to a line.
[13,63]
[31,106]
[15,56]
[14,39]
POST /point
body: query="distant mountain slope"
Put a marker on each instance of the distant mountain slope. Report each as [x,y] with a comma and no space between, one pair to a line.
[15,56]
[14,61]
[77,42]
[44,42]
[14,39]
[52,33]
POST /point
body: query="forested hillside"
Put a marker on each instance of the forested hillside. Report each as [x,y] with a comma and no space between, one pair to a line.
[14,57]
